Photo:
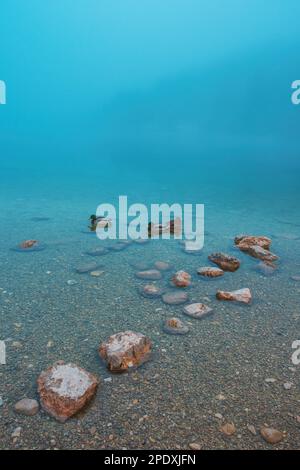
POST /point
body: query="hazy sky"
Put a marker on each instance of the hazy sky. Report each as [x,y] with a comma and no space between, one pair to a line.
[63,59]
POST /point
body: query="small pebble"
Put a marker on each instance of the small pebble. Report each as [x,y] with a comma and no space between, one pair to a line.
[194,446]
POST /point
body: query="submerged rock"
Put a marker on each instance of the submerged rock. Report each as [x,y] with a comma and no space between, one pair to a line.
[27,407]
[65,389]
[245,241]
[208,271]
[175,326]
[265,269]
[29,245]
[125,350]
[197,310]
[151,290]
[150,274]
[271,435]
[96,273]
[87,267]
[162,266]
[175,297]
[295,278]
[228,429]
[181,279]
[118,246]
[97,251]
[225,262]
[257,251]
[240,295]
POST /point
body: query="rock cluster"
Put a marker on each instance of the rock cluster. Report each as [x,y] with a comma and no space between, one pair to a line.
[257,247]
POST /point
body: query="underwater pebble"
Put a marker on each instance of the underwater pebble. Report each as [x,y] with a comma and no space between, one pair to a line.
[252,429]
[71,282]
[194,446]
[175,326]
[175,297]
[27,407]
[150,274]
[197,310]
[16,433]
[228,429]
[271,435]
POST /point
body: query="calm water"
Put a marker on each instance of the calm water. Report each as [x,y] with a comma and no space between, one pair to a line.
[107,108]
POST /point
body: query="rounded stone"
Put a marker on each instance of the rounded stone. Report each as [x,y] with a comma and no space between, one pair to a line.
[150,274]
[210,272]
[86,267]
[151,291]
[181,279]
[271,435]
[175,297]
[27,407]
[97,251]
[197,310]
[174,326]
[162,266]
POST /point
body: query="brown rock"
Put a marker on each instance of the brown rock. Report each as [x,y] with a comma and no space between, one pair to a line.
[208,271]
[28,244]
[181,279]
[250,240]
[195,446]
[271,435]
[240,295]
[225,262]
[65,389]
[125,350]
[228,429]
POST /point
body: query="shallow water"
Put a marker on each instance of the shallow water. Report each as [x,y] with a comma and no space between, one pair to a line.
[171,400]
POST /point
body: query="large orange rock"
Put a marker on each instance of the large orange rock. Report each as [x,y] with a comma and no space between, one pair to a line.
[125,350]
[181,279]
[65,389]
[225,262]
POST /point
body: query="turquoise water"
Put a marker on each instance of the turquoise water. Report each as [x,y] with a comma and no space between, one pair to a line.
[162,103]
